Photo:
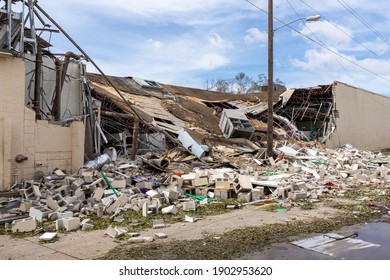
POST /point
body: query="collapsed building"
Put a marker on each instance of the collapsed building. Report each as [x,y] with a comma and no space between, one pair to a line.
[75,144]
[332,115]
[55,115]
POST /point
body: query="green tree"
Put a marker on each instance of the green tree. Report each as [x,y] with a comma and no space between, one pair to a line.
[240,84]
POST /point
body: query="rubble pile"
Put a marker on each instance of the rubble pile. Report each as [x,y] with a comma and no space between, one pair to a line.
[120,186]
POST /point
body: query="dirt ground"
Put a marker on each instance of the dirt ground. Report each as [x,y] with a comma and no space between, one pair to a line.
[94,244]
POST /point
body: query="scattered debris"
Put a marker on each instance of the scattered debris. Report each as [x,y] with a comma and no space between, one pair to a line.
[333,244]
[48,236]
[161,235]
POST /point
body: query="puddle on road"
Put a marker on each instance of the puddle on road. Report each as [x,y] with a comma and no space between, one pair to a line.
[377,233]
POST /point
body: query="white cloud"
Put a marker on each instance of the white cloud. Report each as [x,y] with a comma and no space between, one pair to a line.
[254,35]
[319,66]
[331,34]
[175,41]
[156,45]
[378,46]
[218,43]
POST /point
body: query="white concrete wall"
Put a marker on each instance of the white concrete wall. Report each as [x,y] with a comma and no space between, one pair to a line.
[364,118]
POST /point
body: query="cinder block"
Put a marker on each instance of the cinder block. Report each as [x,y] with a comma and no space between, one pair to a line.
[28,190]
[221,194]
[115,232]
[119,183]
[189,205]
[24,225]
[36,190]
[283,192]
[145,209]
[68,224]
[47,236]
[85,225]
[299,186]
[107,201]
[153,193]
[200,182]
[161,235]
[39,213]
[58,215]
[178,180]
[80,194]
[202,173]
[189,219]
[25,205]
[171,194]
[141,239]
[136,239]
[88,179]
[77,183]
[245,183]
[158,224]
[63,190]
[120,201]
[142,201]
[59,173]
[172,209]
[222,183]
[52,204]
[201,192]
[146,185]
[98,194]
[150,209]
[99,182]
[297,195]
[56,203]
[244,197]
[71,199]
[257,193]
[189,176]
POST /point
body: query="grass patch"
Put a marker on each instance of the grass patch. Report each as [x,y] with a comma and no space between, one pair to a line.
[307,206]
[233,244]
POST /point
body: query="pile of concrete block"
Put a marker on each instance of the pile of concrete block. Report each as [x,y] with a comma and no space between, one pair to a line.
[298,173]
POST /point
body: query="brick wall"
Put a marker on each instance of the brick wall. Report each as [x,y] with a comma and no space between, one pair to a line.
[47,146]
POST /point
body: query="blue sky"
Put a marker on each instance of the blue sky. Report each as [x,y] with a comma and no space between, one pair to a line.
[187,42]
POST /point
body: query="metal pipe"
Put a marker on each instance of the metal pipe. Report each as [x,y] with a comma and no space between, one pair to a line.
[116,115]
[134,144]
[58,89]
[38,81]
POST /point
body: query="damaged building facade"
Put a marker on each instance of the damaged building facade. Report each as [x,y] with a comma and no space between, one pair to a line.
[41,119]
[335,115]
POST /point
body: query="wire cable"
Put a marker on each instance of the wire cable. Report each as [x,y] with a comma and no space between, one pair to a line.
[322,45]
[361,19]
[343,31]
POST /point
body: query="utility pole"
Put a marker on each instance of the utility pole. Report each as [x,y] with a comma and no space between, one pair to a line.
[270,122]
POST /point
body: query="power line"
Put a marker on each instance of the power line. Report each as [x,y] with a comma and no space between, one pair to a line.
[361,19]
[320,44]
[313,34]
[336,26]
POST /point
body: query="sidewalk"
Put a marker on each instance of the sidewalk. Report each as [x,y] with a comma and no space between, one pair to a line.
[93,244]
